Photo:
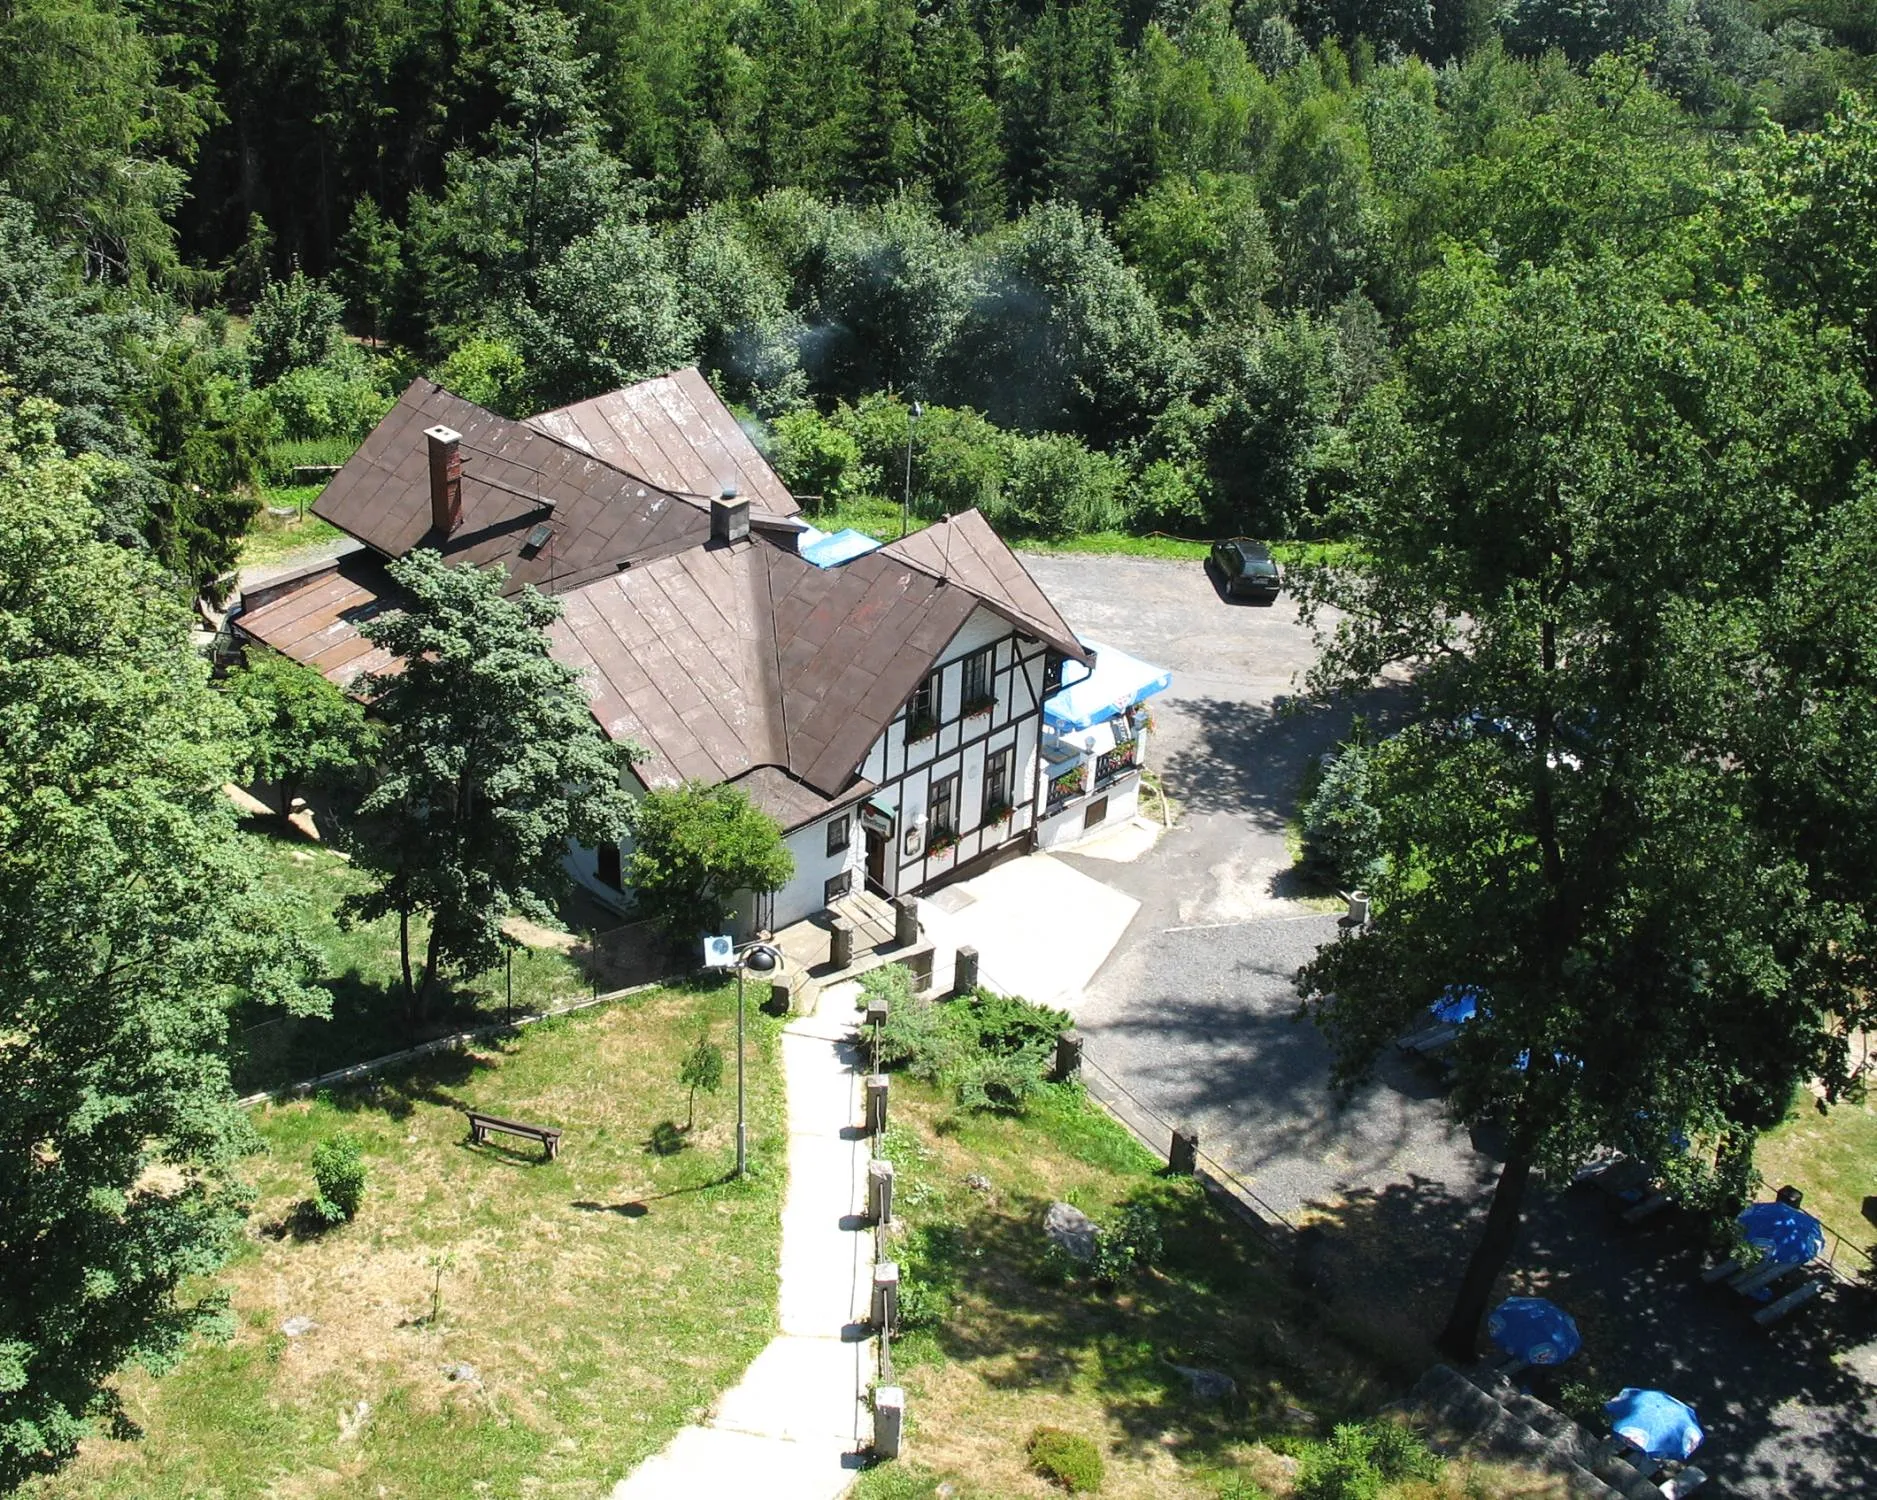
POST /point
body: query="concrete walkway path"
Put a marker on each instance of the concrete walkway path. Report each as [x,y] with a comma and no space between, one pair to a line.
[792,1429]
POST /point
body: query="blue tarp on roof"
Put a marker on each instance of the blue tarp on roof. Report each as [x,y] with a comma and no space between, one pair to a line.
[1118,682]
[830,549]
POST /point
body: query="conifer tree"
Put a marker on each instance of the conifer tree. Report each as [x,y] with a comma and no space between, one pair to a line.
[958,150]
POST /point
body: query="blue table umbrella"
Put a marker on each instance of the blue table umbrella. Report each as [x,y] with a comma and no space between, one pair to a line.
[1534,1330]
[1457,1003]
[1655,1422]
[1782,1233]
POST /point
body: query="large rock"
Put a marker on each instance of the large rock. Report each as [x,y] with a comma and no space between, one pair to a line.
[1070,1231]
[1208,1385]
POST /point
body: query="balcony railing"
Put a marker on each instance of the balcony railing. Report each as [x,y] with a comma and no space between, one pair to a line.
[1115,762]
[1071,784]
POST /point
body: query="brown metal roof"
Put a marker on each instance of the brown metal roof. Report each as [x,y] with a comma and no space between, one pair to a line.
[317,623]
[964,550]
[679,656]
[514,477]
[790,802]
[724,659]
[852,642]
[675,432]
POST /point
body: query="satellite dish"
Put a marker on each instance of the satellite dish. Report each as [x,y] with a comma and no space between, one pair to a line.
[719,953]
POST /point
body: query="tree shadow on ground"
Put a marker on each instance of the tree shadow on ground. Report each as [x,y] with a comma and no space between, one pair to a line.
[368,1020]
[1254,1079]
[431,1080]
[612,952]
[1250,758]
[1785,1416]
[1218,1300]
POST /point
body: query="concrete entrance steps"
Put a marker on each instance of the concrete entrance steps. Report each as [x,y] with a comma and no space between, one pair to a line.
[1491,1419]
[872,917]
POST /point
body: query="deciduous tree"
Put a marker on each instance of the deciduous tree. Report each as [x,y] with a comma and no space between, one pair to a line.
[695,847]
[1581,528]
[491,766]
[130,918]
[295,728]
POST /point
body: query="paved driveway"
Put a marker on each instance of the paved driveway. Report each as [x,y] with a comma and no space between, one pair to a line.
[1194,1011]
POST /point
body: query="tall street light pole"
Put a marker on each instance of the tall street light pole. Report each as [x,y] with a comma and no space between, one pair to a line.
[762,958]
[905,505]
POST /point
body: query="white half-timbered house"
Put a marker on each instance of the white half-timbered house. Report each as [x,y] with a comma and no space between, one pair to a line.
[886,708]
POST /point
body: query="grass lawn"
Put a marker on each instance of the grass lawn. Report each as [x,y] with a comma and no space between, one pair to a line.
[603,1299]
[1833,1156]
[1020,1347]
[271,538]
[362,972]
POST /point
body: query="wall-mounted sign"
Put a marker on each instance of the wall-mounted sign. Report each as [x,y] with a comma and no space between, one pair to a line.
[875,820]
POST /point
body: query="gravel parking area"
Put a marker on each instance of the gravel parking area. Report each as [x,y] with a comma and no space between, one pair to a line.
[1194,1012]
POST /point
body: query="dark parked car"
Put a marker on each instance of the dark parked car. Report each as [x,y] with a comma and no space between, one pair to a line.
[1246,569]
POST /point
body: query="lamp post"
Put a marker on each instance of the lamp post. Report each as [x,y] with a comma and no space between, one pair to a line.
[905,505]
[762,958]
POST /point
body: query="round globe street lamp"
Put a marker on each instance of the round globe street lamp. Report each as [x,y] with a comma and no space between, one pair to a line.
[762,958]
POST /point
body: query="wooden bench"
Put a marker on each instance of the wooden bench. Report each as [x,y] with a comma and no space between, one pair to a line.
[480,1125]
[1801,1294]
[1765,1275]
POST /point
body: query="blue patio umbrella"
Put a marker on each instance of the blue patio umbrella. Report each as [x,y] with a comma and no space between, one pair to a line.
[1534,1330]
[1782,1233]
[1655,1422]
[1457,1003]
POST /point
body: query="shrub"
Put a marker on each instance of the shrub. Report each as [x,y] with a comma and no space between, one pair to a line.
[1001,1084]
[1342,829]
[1359,1459]
[1009,1024]
[1130,1242]
[295,323]
[1067,1459]
[338,1180]
[990,1049]
[1059,488]
[327,401]
[485,369]
[814,457]
[918,1037]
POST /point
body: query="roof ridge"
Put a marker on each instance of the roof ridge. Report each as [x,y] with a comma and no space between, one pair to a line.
[775,642]
[527,425]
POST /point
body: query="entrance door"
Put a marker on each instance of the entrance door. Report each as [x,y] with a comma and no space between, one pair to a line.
[876,862]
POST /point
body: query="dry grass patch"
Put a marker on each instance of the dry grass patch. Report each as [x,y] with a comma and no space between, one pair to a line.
[603,1299]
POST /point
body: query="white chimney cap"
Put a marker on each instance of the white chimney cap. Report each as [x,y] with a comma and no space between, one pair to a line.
[442,434]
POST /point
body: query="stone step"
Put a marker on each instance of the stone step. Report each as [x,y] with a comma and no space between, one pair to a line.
[1499,1422]
[1588,1450]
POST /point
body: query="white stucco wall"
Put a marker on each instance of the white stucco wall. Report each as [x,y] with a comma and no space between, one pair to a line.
[803,896]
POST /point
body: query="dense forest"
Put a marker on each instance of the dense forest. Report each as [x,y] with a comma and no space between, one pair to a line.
[1146,265]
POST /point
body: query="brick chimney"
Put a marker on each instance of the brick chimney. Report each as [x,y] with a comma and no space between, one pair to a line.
[729,517]
[446,479]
